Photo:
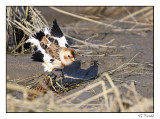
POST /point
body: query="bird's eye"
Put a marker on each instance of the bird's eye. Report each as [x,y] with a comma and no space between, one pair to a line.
[45,46]
[69,56]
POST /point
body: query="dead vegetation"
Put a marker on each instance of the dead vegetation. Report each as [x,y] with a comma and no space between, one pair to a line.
[44,93]
[21,23]
[109,99]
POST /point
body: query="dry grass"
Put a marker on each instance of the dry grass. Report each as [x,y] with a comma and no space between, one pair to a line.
[112,100]
[21,23]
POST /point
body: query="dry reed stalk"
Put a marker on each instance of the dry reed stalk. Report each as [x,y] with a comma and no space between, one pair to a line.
[145,105]
[133,30]
[117,94]
[76,29]
[90,44]
[20,44]
[136,13]
[105,96]
[73,77]
[134,19]
[79,92]
[132,88]
[102,55]
[94,97]
[20,26]
[138,23]
[83,18]
[123,65]
[39,16]
[52,84]
[130,22]
[109,42]
[149,13]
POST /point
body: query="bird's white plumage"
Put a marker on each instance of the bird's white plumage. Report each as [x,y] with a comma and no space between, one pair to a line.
[55,32]
[47,67]
[61,41]
[36,43]
[47,31]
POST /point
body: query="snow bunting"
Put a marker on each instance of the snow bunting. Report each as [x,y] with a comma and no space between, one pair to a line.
[52,48]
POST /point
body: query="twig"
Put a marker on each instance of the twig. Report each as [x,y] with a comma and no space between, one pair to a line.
[59,85]
[89,44]
[102,55]
[24,28]
[79,92]
[146,15]
[136,13]
[52,84]
[116,92]
[105,95]
[74,77]
[123,65]
[131,22]
[133,30]
[20,26]
[96,35]
[94,97]
[109,42]
[130,14]
[20,44]
[137,96]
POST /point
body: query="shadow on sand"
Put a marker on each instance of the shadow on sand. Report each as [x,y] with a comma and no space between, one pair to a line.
[75,70]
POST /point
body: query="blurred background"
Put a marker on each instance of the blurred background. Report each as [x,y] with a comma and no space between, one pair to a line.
[99,13]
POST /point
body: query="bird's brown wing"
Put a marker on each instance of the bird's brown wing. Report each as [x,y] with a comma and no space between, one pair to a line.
[53,51]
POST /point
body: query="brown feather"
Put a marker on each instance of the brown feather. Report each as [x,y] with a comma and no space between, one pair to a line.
[53,51]
[44,40]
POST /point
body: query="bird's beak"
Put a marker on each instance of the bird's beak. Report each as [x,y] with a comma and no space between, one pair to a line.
[73,59]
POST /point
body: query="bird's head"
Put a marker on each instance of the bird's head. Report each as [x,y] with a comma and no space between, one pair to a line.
[67,56]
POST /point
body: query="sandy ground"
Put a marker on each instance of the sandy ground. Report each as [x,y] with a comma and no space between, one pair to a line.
[126,46]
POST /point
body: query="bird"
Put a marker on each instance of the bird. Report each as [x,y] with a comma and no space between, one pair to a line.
[52,48]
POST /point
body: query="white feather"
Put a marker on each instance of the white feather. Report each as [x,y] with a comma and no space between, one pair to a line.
[46,31]
[32,40]
[61,41]
[47,68]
